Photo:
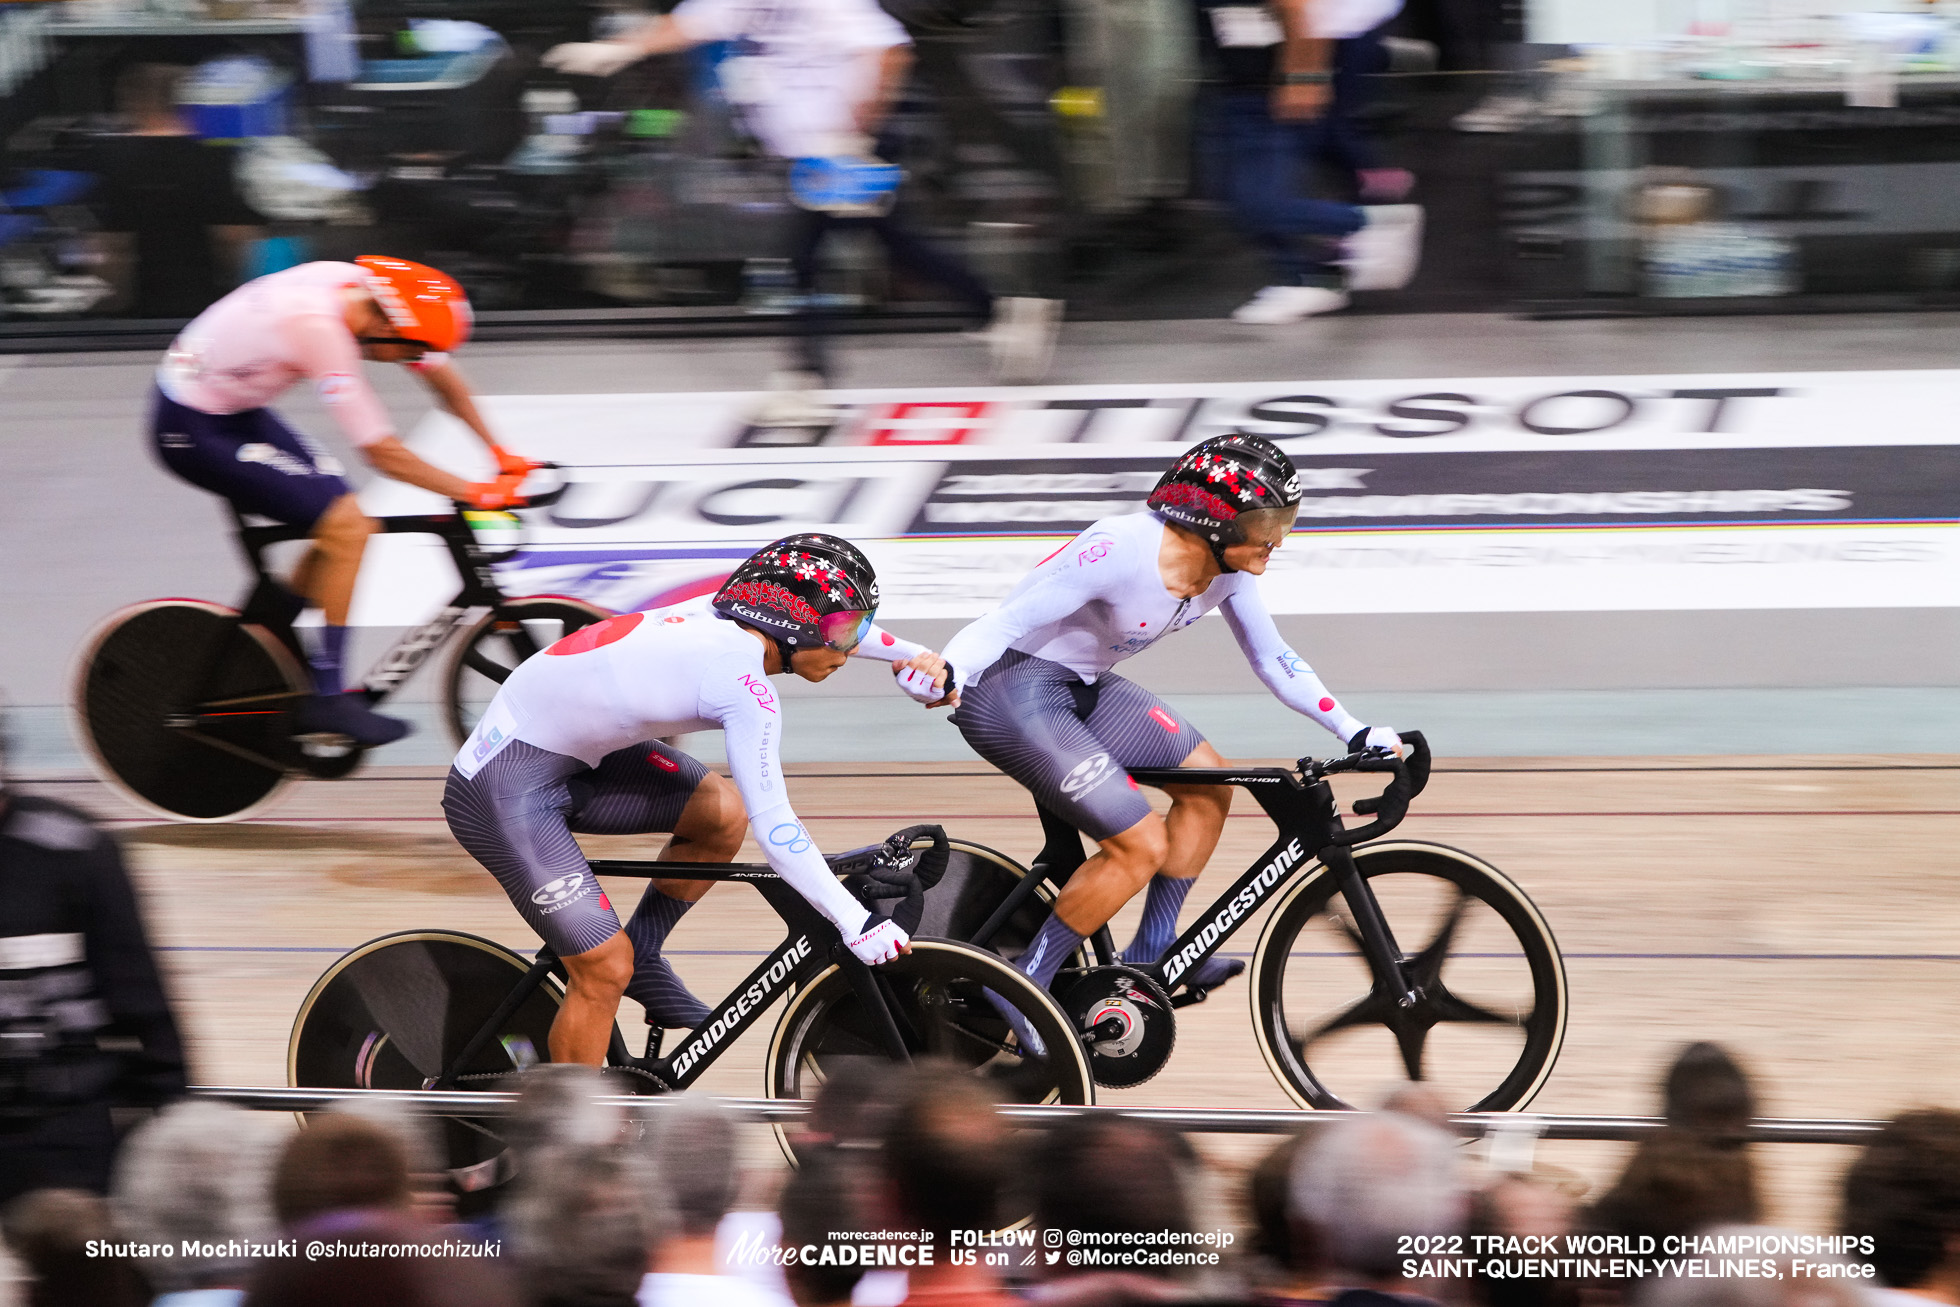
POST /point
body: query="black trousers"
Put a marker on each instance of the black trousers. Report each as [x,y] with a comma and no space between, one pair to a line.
[72,1149]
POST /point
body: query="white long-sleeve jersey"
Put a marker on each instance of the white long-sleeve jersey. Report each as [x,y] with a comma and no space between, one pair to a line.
[641,676]
[1100,599]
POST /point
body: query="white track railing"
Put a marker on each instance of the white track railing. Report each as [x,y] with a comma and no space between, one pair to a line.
[1519,1126]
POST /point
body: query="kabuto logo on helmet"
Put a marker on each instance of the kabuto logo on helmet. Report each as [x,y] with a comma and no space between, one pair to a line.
[765,594]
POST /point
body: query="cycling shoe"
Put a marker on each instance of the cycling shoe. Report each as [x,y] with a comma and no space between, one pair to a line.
[349,715]
[1023,1032]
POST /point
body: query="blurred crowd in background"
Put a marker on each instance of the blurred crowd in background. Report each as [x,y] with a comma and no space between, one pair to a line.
[1132,157]
[605,1211]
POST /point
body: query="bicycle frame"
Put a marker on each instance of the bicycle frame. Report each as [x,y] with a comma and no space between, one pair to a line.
[811,945]
[270,603]
[1309,827]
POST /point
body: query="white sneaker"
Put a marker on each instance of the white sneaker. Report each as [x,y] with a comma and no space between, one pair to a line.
[1277,305]
[1385,253]
[1021,338]
[792,402]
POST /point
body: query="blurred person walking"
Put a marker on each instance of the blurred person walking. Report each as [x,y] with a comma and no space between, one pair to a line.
[194,1187]
[1288,83]
[818,84]
[1903,1191]
[85,1025]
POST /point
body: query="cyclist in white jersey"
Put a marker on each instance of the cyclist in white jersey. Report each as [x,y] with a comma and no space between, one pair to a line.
[571,744]
[1039,701]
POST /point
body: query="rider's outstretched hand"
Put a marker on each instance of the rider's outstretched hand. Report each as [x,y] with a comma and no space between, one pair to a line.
[928,679]
[1378,737]
[881,941]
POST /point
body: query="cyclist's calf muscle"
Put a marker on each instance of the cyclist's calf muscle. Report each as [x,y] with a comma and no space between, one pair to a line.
[584,1025]
[326,576]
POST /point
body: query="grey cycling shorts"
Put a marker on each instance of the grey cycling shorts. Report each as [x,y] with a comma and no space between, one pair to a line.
[1069,742]
[517,816]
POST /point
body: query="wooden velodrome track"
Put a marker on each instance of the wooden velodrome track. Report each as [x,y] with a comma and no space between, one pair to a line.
[1800,910]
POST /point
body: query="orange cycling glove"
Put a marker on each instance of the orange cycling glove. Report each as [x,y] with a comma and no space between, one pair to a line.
[509,464]
[501,493]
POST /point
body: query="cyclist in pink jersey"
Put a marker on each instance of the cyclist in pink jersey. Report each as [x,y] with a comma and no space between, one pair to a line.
[211,426]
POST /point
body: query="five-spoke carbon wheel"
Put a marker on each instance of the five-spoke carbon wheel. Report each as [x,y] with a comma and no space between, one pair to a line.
[1489,1006]
[937,996]
[396,1011]
[491,649]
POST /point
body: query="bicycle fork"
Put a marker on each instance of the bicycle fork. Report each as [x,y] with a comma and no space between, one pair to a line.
[1377,941]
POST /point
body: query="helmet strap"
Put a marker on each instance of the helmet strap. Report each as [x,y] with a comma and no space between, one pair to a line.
[1218,554]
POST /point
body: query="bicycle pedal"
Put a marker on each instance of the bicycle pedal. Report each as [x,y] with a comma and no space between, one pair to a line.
[1186,997]
[324,740]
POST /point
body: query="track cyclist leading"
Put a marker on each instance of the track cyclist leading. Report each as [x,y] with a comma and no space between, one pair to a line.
[571,743]
[211,427]
[1038,699]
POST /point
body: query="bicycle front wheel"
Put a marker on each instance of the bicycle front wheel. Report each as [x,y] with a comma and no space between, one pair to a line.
[395,1012]
[1492,1001]
[186,710]
[491,650]
[937,994]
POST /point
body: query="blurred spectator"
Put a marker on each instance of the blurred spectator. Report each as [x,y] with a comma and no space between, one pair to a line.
[1677,1182]
[830,1190]
[1360,1187]
[172,198]
[1142,56]
[693,1140]
[947,1157]
[1697,1172]
[1105,1175]
[198,1175]
[84,1023]
[816,83]
[1274,111]
[390,1277]
[1707,1091]
[1904,1192]
[584,1222]
[560,1103]
[1269,1190]
[341,1163]
[49,1231]
[1787,1288]
[1518,1206]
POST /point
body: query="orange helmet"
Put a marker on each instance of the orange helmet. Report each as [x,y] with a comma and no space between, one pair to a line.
[424,305]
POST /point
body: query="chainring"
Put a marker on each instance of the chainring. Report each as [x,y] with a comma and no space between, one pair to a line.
[1126,1022]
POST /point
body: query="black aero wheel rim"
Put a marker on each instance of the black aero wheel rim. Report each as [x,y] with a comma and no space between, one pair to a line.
[395,1012]
[496,645]
[942,1013]
[161,661]
[977,879]
[1492,1017]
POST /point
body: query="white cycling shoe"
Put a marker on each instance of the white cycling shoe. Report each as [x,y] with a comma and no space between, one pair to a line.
[1276,306]
[1386,252]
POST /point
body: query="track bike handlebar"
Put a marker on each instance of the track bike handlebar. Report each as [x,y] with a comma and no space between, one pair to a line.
[543,500]
[1408,777]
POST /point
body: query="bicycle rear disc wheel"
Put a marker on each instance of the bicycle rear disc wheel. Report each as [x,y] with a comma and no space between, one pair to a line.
[492,648]
[170,657]
[977,879]
[1492,1006]
[937,999]
[396,1011]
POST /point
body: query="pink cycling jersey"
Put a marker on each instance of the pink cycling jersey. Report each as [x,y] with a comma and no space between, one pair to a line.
[272,333]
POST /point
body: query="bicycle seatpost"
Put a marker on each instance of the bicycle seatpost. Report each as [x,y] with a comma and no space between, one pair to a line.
[1377,941]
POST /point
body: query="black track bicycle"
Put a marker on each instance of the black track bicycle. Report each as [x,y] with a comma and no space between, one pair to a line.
[1381,961]
[186,707]
[440,1009]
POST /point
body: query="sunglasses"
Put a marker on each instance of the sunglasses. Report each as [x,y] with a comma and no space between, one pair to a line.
[844,631]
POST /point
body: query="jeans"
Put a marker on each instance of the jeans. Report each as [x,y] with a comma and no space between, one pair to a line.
[1263,161]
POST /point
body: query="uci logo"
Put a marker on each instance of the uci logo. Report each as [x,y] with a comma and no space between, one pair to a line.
[1087,773]
[554,892]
